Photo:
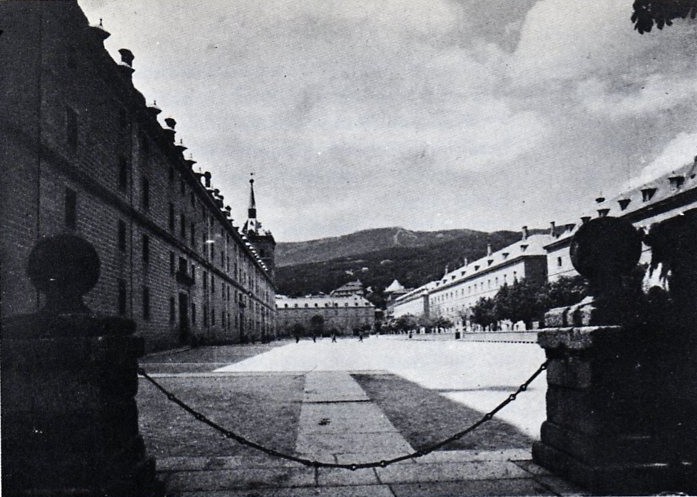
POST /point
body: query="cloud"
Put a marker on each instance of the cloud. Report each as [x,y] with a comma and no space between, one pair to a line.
[562,40]
[679,151]
[657,93]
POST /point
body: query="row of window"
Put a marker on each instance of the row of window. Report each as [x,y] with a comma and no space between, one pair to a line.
[346,304]
[70,222]
[209,316]
[474,287]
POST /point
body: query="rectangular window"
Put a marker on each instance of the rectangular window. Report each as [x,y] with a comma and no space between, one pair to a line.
[121,304]
[70,208]
[171,217]
[205,280]
[182,265]
[193,314]
[212,316]
[123,174]
[145,193]
[205,315]
[171,310]
[146,303]
[193,234]
[146,249]
[122,236]
[212,283]
[71,129]
[559,261]
[182,226]
[171,262]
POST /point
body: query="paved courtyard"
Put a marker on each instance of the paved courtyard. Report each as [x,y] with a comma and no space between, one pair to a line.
[349,402]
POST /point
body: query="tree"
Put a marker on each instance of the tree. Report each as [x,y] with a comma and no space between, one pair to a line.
[661,13]
[483,312]
[298,330]
[565,291]
[405,322]
[442,323]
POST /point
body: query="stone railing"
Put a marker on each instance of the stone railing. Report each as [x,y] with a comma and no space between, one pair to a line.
[622,373]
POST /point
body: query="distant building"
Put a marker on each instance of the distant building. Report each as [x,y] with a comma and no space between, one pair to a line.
[349,289]
[342,315]
[84,154]
[414,302]
[458,291]
[454,295]
[392,293]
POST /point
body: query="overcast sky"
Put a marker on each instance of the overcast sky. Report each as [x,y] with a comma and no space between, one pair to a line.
[425,114]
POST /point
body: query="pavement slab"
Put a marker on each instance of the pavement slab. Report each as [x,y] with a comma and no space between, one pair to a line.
[489,470]
[470,488]
[239,479]
[337,417]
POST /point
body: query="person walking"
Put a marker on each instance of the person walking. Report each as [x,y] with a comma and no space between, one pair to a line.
[333,337]
[360,336]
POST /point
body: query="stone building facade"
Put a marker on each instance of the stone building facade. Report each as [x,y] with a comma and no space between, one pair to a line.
[344,315]
[83,153]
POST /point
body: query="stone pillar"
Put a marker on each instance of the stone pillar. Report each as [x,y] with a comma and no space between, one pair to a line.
[69,380]
[621,399]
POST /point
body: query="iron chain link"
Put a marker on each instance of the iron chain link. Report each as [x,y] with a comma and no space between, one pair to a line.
[353,467]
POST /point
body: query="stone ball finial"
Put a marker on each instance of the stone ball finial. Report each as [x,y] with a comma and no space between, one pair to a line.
[605,248]
[64,267]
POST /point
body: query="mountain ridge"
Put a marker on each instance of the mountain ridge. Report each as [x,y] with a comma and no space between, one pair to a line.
[412,265]
[362,241]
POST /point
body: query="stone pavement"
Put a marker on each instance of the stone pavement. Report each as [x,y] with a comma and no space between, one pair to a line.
[339,423]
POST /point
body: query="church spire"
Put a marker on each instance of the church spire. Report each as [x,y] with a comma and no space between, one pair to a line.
[252,209]
[252,224]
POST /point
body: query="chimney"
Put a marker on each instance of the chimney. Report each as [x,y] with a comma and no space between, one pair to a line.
[585,219]
[488,249]
[126,57]
[207,179]
[525,232]
[552,229]
[154,109]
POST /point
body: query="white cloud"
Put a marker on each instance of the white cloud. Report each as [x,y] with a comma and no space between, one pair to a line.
[678,152]
[562,40]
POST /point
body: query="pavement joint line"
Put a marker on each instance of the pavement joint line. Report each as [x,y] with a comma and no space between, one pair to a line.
[357,401]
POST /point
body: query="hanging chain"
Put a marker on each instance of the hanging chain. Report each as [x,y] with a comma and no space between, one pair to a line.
[319,464]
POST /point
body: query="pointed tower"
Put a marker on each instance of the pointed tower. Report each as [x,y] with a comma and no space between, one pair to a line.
[261,239]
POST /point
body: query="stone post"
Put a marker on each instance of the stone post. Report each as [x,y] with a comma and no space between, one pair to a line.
[621,398]
[69,380]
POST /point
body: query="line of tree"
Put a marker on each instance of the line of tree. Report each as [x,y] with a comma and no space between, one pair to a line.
[527,302]
[409,322]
